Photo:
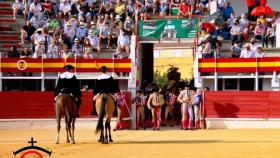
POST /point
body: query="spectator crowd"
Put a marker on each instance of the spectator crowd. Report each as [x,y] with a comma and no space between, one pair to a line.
[247,34]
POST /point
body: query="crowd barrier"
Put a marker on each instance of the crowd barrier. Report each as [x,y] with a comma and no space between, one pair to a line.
[241,104]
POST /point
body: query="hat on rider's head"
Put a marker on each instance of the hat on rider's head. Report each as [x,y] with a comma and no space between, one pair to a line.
[103,69]
[68,67]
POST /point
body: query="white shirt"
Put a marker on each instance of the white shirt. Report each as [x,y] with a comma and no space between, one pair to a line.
[236,29]
[93,40]
[213,7]
[103,76]
[244,23]
[207,48]
[38,38]
[247,53]
[221,3]
[69,32]
[35,9]
[65,7]
[231,21]
[123,40]
[67,75]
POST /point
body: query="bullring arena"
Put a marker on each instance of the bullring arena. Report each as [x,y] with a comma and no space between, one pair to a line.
[169,142]
[227,52]
[220,139]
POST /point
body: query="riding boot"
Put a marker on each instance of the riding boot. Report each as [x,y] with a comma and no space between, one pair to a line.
[196,126]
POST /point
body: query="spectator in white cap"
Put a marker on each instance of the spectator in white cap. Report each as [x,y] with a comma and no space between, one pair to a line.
[39,50]
[36,37]
[77,49]
[118,21]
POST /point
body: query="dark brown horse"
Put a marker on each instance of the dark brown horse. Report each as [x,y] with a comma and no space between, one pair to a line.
[105,108]
[65,104]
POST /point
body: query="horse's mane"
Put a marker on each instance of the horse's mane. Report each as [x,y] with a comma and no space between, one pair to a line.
[65,91]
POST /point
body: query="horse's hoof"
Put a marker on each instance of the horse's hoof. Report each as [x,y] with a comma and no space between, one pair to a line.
[99,140]
[105,142]
[67,141]
[56,142]
[73,142]
[111,140]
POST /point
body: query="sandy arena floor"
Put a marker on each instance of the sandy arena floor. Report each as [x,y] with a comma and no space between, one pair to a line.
[167,143]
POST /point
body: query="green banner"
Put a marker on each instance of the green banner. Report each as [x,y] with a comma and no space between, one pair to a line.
[175,28]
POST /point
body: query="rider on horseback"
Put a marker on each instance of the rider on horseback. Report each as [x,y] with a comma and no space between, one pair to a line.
[68,80]
[105,84]
[173,76]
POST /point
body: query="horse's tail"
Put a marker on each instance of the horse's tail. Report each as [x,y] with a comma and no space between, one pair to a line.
[101,114]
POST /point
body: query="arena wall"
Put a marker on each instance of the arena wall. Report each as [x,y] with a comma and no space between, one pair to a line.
[39,105]
[242,109]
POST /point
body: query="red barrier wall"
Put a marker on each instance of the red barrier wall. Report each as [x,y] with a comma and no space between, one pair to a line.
[35,105]
[40,105]
[241,104]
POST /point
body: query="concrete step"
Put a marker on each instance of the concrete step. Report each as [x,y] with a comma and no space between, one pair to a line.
[9,38]
[7,20]
[9,32]
[9,45]
[5,13]
[3,28]
[5,5]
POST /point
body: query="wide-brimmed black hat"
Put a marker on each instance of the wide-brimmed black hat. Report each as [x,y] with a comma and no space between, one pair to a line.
[103,68]
[68,67]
